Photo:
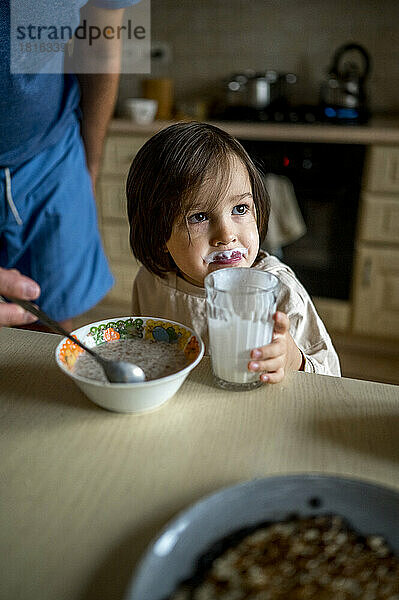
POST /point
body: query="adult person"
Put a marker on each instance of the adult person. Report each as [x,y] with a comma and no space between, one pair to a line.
[52,129]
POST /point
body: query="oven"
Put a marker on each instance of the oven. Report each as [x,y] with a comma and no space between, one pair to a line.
[326,180]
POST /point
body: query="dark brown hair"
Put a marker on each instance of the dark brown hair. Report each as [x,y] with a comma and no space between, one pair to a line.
[165,177]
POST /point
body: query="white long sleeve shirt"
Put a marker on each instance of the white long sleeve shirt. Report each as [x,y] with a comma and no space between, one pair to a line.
[178,300]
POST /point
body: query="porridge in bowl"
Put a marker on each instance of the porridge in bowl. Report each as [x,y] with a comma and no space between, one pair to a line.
[157,359]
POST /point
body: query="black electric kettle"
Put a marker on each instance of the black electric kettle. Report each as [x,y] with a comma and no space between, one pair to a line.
[344,89]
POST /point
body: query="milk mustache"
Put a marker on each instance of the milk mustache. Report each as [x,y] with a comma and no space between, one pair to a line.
[240,305]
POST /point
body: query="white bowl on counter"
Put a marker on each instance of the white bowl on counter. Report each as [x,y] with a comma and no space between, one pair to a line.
[140,110]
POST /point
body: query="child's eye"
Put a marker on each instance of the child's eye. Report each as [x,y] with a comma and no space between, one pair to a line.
[240,209]
[197,218]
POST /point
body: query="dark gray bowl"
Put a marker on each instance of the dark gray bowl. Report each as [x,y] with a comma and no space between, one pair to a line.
[171,558]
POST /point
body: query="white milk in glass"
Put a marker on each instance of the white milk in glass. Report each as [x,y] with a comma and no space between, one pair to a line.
[240,305]
[231,343]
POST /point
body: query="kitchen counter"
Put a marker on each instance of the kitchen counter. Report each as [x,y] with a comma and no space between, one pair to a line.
[84,490]
[380,130]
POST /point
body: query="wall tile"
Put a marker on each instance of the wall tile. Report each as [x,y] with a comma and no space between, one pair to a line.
[210,39]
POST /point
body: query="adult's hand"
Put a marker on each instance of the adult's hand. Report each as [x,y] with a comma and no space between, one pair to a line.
[13,284]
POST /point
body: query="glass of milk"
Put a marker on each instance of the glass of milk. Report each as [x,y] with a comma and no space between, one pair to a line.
[240,304]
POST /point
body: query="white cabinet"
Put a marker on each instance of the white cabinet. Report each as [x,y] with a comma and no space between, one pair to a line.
[376,297]
[111,198]
[376,280]
[383,169]
[379,220]
[335,314]
[113,222]
[119,152]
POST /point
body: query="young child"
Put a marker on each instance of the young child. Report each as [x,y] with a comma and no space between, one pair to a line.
[197,203]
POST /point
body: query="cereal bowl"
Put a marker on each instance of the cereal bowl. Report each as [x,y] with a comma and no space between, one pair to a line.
[204,530]
[131,397]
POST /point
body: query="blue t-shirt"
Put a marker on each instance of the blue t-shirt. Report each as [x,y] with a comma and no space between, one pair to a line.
[36,109]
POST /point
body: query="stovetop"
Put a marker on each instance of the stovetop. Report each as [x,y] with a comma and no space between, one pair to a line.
[304,114]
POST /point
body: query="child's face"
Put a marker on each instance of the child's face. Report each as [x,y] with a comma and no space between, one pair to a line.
[227,236]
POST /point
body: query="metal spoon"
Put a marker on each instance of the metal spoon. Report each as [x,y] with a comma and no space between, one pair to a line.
[116,371]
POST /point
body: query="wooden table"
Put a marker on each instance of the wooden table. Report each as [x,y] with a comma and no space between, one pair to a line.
[84,490]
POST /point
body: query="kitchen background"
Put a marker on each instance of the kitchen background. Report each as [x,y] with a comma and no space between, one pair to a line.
[207,40]
[346,179]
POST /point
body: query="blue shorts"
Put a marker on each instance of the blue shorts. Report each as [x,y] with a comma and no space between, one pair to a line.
[48,230]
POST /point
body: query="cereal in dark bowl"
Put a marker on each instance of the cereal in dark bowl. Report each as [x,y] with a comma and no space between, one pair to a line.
[317,557]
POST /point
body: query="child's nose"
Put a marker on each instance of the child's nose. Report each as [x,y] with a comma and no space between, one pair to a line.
[223,235]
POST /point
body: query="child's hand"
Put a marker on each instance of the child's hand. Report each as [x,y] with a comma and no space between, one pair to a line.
[278,357]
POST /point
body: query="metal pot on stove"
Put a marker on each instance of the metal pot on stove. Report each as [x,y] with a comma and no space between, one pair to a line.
[258,90]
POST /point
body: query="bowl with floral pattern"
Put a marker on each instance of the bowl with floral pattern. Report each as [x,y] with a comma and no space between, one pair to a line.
[133,333]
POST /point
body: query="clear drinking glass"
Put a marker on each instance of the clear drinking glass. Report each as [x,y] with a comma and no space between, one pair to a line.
[240,304]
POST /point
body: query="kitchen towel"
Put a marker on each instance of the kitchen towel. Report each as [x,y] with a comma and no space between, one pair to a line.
[286,223]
